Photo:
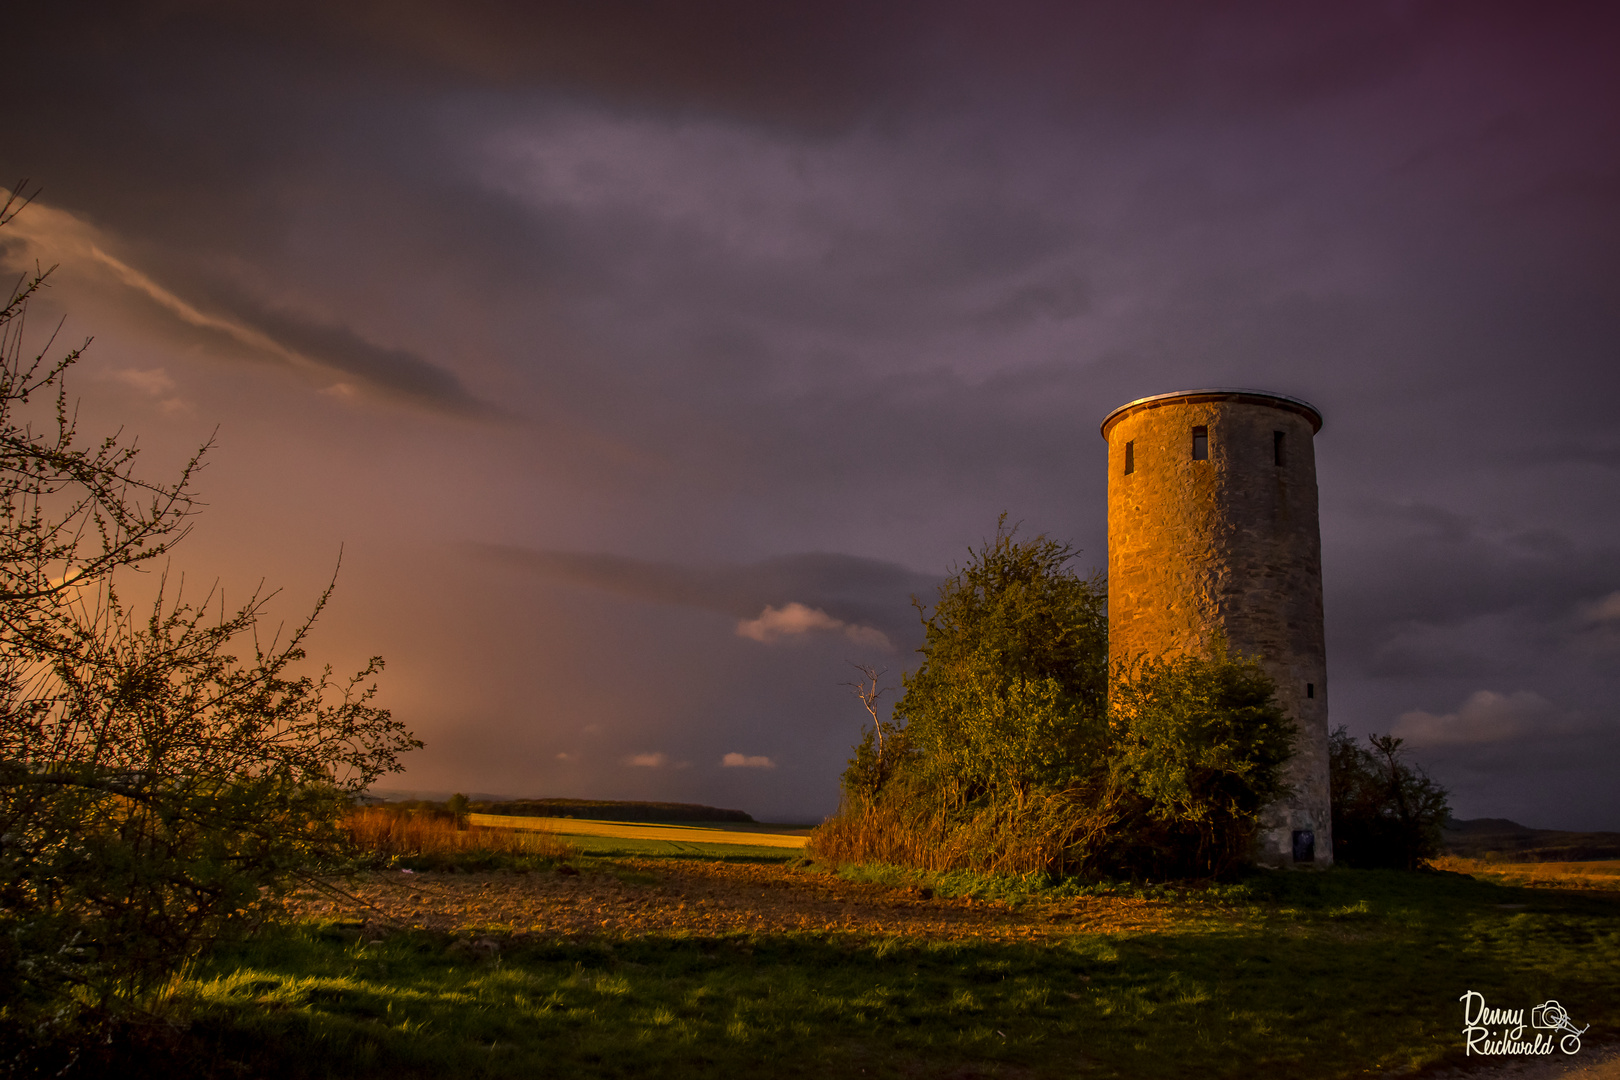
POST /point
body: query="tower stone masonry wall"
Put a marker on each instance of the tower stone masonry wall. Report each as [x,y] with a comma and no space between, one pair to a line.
[1228,545]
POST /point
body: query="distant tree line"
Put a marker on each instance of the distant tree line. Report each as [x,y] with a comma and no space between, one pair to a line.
[611,810]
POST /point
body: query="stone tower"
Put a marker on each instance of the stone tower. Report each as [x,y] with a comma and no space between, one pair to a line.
[1212,528]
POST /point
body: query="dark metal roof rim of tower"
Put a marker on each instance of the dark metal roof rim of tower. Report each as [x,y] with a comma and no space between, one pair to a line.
[1217,393]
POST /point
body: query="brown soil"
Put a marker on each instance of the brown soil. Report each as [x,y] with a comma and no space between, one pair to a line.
[1592,1063]
[662,897]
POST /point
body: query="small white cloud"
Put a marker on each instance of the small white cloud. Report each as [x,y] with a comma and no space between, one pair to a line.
[153,382]
[647,761]
[870,636]
[567,758]
[1486,717]
[795,619]
[1604,610]
[746,761]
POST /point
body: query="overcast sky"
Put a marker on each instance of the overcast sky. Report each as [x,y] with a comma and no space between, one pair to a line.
[645,359]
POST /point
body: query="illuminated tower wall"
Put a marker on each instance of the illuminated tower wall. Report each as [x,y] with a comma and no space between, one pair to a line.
[1212,529]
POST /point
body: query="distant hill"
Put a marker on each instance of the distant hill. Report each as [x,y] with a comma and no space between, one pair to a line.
[611,810]
[1479,838]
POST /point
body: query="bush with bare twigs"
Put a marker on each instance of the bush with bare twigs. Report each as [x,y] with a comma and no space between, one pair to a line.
[166,774]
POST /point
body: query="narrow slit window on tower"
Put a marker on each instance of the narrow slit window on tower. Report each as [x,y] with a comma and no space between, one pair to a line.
[1130,456]
[1310,689]
[1200,443]
[1279,451]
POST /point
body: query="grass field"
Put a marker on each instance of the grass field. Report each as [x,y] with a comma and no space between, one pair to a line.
[1603,876]
[680,968]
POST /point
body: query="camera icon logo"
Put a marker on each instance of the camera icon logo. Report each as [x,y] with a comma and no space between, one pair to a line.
[1551,1016]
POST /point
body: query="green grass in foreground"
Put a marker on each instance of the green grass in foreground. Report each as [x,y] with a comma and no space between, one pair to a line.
[1015,889]
[1299,975]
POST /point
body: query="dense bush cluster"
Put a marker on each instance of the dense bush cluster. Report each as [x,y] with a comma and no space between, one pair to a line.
[1014,747]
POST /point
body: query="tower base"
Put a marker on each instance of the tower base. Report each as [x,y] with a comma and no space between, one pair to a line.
[1294,837]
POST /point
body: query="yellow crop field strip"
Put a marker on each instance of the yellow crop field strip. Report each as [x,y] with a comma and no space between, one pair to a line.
[1603,875]
[626,830]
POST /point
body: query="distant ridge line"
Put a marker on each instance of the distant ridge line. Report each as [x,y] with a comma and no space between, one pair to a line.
[1512,842]
[611,810]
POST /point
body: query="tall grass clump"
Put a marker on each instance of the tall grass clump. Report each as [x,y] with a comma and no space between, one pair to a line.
[910,825]
[390,833]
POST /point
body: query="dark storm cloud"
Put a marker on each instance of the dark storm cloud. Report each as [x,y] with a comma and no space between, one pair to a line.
[1491,735]
[204,102]
[812,63]
[133,109]
[396,371]
[1447,570]
[213,318]
[861,592]
[337,351]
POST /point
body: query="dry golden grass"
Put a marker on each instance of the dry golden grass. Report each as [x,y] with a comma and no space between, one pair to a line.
[400,833]
[995,840]
[1603,876]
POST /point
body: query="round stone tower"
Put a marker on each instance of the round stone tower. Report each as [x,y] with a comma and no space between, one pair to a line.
[1212,529]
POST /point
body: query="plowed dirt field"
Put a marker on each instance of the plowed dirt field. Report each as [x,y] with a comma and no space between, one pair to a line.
[645,897]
